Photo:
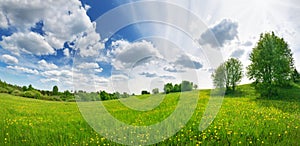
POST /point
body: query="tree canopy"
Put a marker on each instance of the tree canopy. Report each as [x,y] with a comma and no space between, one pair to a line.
[228,74]
[272,64]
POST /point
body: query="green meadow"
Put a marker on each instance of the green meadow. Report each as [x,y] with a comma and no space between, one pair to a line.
[244,119]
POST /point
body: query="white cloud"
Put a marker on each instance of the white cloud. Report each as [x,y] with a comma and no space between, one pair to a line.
[9,59]
[88,65]
[67,52]
[24,70]
[3,21]
[30,43]
[128,54]
[223,32]
[47,66]
[64,21]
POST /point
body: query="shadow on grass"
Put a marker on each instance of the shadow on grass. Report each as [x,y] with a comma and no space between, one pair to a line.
[288,99]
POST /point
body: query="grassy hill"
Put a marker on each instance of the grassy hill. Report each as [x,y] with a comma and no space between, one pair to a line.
[243,119]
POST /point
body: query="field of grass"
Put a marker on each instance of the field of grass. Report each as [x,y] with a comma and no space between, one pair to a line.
[242,120]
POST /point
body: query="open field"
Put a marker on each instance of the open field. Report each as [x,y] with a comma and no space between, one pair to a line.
[243,119]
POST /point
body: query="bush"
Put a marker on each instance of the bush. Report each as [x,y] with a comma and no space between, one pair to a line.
[32,94]
[3,90]
[17,93]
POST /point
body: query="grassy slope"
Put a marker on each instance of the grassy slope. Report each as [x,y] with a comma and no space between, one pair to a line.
[243,119]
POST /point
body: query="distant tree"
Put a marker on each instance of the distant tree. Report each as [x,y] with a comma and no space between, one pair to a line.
[186,86]
[271,65]
[219,77]
[168,88]
[55,90]
[104,95]
[30,88]
[234,73]
[176,88]
[228,74]
[145,92]
[125,95]
[24,88]
[155,91]
[296,75]
[195,86]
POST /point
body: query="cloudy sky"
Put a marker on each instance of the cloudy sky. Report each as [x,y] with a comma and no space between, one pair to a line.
[134,44]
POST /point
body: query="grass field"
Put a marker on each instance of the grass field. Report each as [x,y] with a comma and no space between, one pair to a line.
[242,120]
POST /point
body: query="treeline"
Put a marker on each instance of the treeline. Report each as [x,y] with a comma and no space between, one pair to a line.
[182,87]
[99,96]
[31,92]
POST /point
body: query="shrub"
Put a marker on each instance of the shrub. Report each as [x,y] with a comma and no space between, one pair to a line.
[17,93]
[32,94]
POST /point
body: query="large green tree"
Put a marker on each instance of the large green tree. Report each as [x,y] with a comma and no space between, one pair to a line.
[272,64]
[228,74]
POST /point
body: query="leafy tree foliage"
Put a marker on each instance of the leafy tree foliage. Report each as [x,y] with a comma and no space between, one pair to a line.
[272,64]
[228,74]
[234,73]
[184,86]
[296,76]
[55,90]
[168,88]
[145,92]
[155,91]
[219,77]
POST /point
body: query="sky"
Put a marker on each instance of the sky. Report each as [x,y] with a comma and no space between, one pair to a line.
[134,45]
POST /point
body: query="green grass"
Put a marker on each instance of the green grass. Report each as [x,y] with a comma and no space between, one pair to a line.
[243,119]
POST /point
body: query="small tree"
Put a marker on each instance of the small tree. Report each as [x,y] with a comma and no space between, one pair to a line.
[145,92]
[195,86]
[155,91]
[186,86]
[228,74]
[168,88]
[233,72]
[30,88]
[55,90]
[219,77]
[296,75]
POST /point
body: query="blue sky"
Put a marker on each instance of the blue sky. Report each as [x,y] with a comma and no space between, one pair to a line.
[129,46]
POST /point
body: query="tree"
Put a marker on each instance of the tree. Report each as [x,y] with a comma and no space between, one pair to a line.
[55,90]
[155,91]
[168,88]
[228,74]
[296,75]
[145,92]
[186,86]
[195,86]
[30,88]
[271,65]
[219,77]
[234,73]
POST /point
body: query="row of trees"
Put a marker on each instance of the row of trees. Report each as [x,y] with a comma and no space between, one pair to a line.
[272,67]
[182,87]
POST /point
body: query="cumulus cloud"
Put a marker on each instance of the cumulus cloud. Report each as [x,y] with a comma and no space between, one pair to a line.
[219,34]
[88,65]
[3,21]
[43,64]
[67,52]
[237,53]
[186,62]
[127,54]
[148,75]
[62,22]
[8,59]
[24,69]
[30,43]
